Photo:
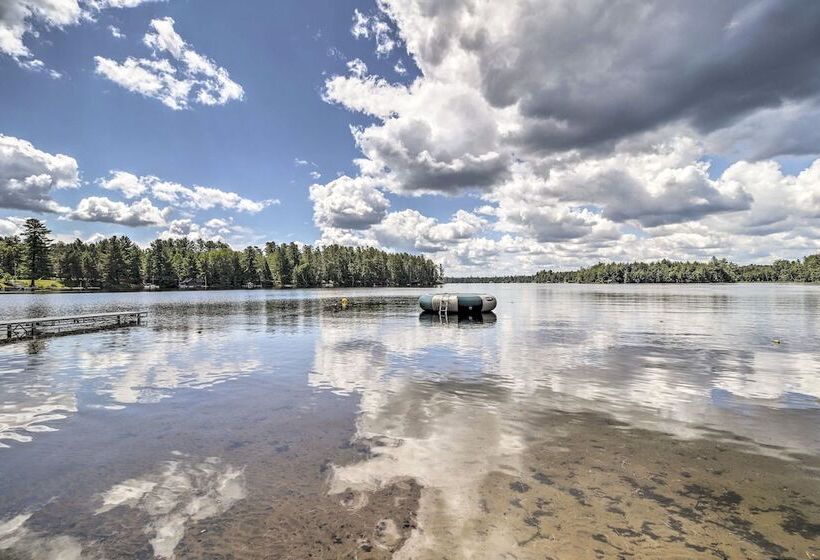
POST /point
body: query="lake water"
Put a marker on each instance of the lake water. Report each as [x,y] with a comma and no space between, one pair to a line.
[579,421]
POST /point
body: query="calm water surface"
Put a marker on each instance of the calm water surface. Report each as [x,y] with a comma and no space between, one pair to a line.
[576,422]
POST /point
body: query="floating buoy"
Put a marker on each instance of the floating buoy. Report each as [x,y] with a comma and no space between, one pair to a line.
[464,304]
[776,340]
[344,303]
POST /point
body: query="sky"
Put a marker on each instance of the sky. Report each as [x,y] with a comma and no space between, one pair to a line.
[493,137]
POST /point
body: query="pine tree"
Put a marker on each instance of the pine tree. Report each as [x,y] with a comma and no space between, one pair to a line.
[160,266]
[37,247]
[265,272]
[115,268]
[11,254]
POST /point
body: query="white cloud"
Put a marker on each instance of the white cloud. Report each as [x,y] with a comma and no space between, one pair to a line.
[315,175]
[18,18]
[103,4]
[115,32]
[399,68]
[347,203]
[22,18]
[346,237]
[205,198]
[215,229]
[128,184]
[103,209]
[367,26]
[580,156]
[28,176]
[432,138]
[10,226]
[410,230]
[196,197]
[178,81]
[357,68]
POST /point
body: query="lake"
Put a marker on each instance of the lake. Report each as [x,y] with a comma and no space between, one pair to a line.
[579,421]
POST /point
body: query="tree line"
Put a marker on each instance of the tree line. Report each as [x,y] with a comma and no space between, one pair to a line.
[671,272]
[117,263]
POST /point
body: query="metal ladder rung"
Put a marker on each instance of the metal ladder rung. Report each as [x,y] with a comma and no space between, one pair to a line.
[444,305]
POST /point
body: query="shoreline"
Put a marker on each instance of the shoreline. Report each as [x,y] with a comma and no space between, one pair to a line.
[37,291]
[165,290]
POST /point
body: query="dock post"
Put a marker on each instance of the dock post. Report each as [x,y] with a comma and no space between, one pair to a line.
[8,332]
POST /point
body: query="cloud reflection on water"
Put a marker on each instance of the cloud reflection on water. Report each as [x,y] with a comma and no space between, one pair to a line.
[447,406]
[172,497]
[40,391]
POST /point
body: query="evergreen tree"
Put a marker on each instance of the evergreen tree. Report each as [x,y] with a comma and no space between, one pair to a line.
[265,272]
[114,264]
[37,248]
[160,266]
[11,254]
[250,268]
[133,263]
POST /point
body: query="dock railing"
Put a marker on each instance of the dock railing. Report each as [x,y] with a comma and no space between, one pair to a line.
[33,327]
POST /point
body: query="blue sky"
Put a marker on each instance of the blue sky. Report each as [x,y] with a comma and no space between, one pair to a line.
[490,136]
[279,52]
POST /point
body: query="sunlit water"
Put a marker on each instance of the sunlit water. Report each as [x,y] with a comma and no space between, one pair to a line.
[276,424]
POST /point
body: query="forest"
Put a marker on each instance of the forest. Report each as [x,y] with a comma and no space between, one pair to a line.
[117,263]
[671,272]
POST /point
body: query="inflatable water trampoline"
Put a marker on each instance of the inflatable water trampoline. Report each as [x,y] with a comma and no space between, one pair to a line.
[462,304]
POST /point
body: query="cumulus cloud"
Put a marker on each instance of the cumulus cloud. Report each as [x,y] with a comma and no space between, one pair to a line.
[10,226]
[782,203]
[205,198]
[663,184]
[593,149]
[128,184]
[411,230]
[103,209]
[22,18]
[28,176]
[196,197]
[432,139]
[639,65]
[178,80]
[348,203]
[215,229]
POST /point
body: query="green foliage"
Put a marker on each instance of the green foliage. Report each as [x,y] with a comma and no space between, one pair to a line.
[117,263]
[11,255]
[665,271]
[36,250]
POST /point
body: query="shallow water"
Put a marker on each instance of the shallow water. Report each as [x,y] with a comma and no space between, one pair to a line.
[577,422]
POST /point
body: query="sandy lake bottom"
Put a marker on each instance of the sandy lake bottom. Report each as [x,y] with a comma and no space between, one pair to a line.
[577,422]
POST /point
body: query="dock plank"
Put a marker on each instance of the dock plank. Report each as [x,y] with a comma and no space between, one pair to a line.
[70,317]
[34,327]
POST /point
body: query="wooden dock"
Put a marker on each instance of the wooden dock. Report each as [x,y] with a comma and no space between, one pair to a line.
[22,329]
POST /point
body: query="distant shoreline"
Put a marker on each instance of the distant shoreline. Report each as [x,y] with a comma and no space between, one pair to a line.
[465,280]
[713,271]
[468,280]
[28,291]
